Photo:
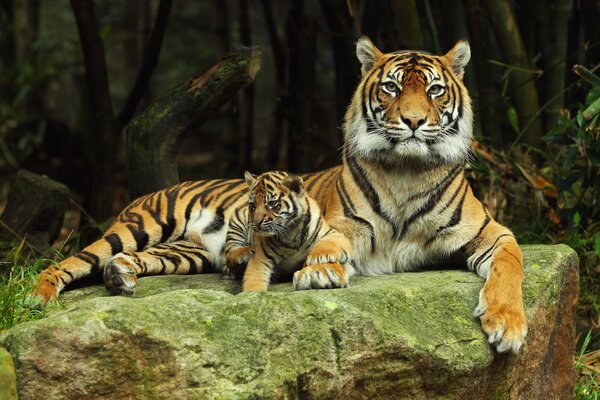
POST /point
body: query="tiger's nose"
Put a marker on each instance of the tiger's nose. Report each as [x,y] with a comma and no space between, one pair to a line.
[414,121]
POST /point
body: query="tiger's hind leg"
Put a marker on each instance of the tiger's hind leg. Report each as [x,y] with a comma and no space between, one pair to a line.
[180,257]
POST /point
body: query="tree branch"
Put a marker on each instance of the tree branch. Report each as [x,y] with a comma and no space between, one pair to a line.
[152,136]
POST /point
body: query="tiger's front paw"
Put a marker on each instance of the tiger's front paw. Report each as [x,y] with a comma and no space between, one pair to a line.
[236,261]
[505,324]
[324,255]
[321,276]
[119,275]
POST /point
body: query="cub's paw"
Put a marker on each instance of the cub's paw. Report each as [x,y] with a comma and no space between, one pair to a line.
[327,255]
[321,276]
[233,272]
[505,325]
[236,261]
[119,275]
[239,256]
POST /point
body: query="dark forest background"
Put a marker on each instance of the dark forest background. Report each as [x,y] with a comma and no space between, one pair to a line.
[74,75]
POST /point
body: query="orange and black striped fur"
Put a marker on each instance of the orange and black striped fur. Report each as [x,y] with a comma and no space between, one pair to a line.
[400,196]
[284,233]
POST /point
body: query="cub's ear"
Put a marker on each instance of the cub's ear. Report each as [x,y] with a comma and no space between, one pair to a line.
[459,57]
[367,54]
[294,183]
[250,178]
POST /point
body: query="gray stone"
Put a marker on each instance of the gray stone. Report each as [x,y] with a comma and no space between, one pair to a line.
[408,335]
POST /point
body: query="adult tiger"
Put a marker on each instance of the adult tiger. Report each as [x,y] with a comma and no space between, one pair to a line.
[400,196]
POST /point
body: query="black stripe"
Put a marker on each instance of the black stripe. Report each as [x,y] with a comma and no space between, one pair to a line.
[350,214]
[314,180]
[193,266]
[66,271]
[486,221]
[200,184]
[163,266]
[216,224]
[450,175]
[481,259]
[453,195]
[430,203]
[361,180]
[88,257]
[140,236]
[116,245]
[454,219]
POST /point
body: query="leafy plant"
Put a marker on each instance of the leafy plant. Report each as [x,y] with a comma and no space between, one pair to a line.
[15,287]
[574,155]
[588,372]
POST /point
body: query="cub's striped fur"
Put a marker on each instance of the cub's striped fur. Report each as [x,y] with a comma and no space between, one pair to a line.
[400,196]
[284,232]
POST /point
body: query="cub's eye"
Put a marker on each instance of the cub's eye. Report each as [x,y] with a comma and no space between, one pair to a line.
[252,205]
[390,87]
[272,204]
[436,90]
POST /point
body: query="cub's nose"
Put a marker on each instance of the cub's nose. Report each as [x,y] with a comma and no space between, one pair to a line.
[413,121]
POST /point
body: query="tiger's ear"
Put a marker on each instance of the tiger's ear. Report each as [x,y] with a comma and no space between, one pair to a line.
[294,183]
[367,54]
[250,178]
[459,57]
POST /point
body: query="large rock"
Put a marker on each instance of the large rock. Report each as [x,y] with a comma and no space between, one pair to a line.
[407,335]
[8,380]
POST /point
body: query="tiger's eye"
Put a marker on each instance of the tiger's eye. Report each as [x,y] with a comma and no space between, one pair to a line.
[252,205]
[272,204]
[390,87]
[435,90]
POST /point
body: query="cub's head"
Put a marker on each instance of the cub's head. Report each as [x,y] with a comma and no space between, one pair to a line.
[276,202]
[410,106]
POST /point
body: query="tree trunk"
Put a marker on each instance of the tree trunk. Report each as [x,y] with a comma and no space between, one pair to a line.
[555,54]
[402,25]
[347,71]
[100,140]
[151,54]
[523,90]
[229,146]
[279,57]
[435,41]
[246,96]
[485,97]
[34,210]
[8,45]
[152,136]
[302,42]
[456,28]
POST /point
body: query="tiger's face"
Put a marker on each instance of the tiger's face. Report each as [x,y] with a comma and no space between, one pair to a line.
[410,106]
[276,202]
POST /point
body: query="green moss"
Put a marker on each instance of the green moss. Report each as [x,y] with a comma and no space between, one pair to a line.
[210,341]
[8,379]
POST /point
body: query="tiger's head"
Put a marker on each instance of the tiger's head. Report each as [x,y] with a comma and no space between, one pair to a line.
[276,202]
[410,106]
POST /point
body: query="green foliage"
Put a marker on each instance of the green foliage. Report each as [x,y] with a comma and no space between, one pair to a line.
[22,127]
[15,304]
[588,383]
[574,155]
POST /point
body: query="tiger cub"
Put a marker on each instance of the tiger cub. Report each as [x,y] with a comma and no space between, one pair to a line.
[276,234]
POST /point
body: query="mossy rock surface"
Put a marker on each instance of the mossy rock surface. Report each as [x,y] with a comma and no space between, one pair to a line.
[8,379]
[408,335]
